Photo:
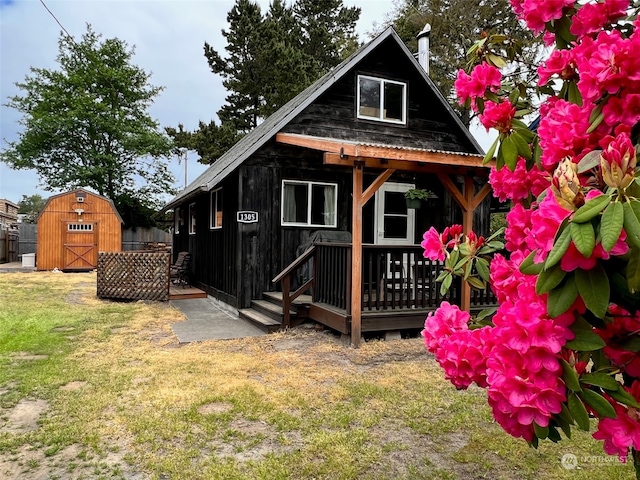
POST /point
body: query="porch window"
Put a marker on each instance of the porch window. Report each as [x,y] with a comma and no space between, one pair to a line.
[383,100]
[192,219]
[309,204]
[215,209]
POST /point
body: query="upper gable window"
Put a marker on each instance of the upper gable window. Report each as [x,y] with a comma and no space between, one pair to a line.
[383,100]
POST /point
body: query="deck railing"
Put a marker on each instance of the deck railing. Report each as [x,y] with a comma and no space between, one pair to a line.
[394,277]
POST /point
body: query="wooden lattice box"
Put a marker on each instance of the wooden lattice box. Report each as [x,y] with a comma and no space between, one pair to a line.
[134,275]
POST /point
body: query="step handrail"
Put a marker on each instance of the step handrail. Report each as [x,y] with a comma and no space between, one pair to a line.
[285,278]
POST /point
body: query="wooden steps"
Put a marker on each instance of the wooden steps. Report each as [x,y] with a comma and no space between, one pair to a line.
[267,314]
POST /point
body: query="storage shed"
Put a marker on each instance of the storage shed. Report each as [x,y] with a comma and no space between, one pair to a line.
[73,227]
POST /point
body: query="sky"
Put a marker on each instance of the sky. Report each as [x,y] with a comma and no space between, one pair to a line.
[168,37]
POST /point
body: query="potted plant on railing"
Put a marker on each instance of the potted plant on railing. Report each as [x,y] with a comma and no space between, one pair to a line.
[414,197]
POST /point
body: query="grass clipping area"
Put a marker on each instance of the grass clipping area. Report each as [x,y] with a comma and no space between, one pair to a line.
[96,389]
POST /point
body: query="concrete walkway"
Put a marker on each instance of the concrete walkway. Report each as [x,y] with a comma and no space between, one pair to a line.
[206,320]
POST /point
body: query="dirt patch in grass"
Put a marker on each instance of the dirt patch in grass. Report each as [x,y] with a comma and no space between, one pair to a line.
[24,416]
[27,356]
[75,385]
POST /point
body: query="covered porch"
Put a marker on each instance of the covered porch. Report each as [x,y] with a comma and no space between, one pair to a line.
[358,287]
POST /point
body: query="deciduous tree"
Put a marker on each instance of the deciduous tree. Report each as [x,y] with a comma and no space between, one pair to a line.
[86,124]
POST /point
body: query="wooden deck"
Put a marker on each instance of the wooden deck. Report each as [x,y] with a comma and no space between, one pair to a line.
[177,292]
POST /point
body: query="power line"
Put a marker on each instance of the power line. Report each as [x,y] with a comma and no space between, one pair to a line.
[57,21]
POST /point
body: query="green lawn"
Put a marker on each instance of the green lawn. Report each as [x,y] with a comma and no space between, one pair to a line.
[93,389]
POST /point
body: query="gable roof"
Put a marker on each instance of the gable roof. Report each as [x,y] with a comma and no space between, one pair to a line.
[85,191]
[264,132]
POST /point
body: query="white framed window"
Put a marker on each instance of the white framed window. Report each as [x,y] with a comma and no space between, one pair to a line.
[177,220]
[309,204]
[382,100]
[215,209]
[192,219]
[80,227]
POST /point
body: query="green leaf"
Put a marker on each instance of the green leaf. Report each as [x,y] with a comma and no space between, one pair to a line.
[584,238]
[446,284]
[631,225]
[591,208]
[578,412]
[585,341]
[593,286]
[541,432]
[595,118]
[589,161]
[528,267]
[631,344]
[573,93]
[549,279]
[476,283]
[598,403]
[509,153]
[611,225]
[560,246]
[600,380]
[624,397]
[524,150]
[482,266]
[565,420]
[562,297]
[633,270]
[491,152]
[570,376]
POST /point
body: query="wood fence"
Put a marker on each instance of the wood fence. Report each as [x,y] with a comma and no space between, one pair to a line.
[8,246]
[138,239]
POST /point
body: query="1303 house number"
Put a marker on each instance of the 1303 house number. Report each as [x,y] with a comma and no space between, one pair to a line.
[247,217]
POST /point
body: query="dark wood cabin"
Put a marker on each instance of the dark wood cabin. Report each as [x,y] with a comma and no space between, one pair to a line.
[376,119]
[73,227]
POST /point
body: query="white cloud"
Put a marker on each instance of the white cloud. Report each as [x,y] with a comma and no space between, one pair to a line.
[168,37]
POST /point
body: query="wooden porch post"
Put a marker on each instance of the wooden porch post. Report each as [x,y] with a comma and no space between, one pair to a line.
[356,255]
[468,203]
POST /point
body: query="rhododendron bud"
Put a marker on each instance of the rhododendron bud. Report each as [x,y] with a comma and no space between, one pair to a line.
[566,185]
[618,162]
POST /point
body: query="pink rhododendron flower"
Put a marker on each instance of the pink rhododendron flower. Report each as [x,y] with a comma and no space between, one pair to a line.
[536,13]
[546,220]
[622,109]
[573,259]
[623,432]
[463,357]
[483,77]
[593,17]
[442,323]
[615,334]
[563,132]
[560,63]
[498,116]
[518,231]
[518,184]
[433,246]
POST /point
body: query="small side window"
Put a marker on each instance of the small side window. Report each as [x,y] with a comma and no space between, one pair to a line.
[192,219]
[215,209]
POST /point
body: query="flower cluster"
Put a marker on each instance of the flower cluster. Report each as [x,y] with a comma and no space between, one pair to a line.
[565,338]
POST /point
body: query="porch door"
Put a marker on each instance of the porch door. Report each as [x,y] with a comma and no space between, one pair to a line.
[394,223]
[80,246]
